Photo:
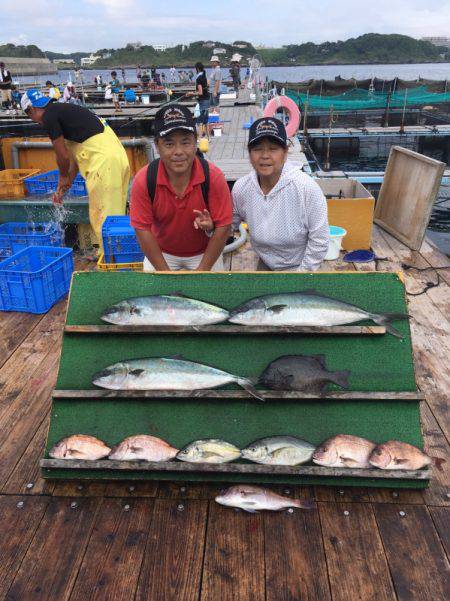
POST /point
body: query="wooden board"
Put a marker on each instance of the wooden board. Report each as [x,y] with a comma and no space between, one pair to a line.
[173,559]
[114,553]
[51,563]
[357,565]
[232,468]
[234,556]
[294,556]
[272,395]
[410,186]
[416,558]
[224,329]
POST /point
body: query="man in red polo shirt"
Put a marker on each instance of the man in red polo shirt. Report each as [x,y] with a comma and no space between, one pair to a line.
[186,223]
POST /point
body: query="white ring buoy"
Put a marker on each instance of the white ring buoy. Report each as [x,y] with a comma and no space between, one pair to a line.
[288,105]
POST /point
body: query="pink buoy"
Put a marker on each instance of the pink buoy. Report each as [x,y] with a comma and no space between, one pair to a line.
[288,105]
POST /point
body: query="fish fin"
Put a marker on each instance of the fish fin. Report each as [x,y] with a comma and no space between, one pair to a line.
[438,461]
[349,461]
[276,308]
[248,385]
[341,378]
[309,291]
[321,359]
[135,449]
[400,461]
[384,319]
[178,356]
[178,293]
[307,504]
[74,453]
[249,510]
[137,372]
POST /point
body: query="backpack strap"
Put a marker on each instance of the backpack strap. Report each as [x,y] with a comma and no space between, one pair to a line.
[152,174]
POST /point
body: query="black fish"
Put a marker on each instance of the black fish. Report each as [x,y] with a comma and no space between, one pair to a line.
[302,372]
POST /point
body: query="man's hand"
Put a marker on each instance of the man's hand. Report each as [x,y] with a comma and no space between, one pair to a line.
[63,185]
[203,221]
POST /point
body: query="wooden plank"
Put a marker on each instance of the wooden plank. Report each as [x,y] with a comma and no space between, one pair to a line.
[173,559]
[225,329]
[19,520]
[272,395]
[436,445]
[410,186]
[417,562]
[234,556]
[14,328]
[26,475]
[232,468]
[118,538]
[357,566]
[132,488]
[294,556]
[51,563]
[441,519]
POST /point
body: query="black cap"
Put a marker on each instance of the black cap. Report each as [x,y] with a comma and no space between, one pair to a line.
[172,117]
[267,127]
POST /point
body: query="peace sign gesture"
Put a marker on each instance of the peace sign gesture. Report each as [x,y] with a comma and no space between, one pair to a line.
[203,221]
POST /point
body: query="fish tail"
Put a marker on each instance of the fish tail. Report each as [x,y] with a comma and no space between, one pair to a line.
[384,319]
[341,378]
[308,504]
[249,386]
[438,461]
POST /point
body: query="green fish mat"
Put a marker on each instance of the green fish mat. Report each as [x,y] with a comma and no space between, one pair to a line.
[376,363]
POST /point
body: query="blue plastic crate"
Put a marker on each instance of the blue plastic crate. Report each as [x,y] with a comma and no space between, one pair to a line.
[15,236]
[35,278]
[119,241]
[46,183]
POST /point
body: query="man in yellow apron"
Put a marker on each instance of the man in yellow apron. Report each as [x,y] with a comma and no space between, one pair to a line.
[84,143]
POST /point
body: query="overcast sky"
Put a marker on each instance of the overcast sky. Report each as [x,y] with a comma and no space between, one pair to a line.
[87,25]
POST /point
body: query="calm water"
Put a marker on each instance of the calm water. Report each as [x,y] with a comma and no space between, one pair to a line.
[290,74]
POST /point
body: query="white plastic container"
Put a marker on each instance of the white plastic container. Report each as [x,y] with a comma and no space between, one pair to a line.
[336,236]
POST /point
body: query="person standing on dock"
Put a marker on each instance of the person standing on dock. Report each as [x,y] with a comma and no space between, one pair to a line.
[201,90]
[180,204]
[83,143]
[115,90]
[5,87]
[215,81]
[284,208]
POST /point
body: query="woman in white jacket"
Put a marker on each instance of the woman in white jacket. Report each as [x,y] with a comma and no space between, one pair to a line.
[284,208]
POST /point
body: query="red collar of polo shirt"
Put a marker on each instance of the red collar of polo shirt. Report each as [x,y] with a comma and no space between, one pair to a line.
[197,177]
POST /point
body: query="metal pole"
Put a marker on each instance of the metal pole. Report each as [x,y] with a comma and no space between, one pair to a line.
[330,123]
[402,126]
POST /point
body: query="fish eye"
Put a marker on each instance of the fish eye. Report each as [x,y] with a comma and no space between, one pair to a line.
[378,452]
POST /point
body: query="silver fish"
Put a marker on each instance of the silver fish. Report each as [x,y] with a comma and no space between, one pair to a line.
[397,455]
[279,450]
[344,450]
[80,446]
[164,310]
[306,308]
[210,450]
[143,447]
[302,372]
[167,374]
[253,499]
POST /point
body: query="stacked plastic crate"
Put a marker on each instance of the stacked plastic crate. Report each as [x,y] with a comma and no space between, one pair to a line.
[121,248]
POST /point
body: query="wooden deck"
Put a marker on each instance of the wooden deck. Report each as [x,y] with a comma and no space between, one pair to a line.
[170,541]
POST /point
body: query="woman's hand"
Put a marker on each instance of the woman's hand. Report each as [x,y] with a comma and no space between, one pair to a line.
[203,221]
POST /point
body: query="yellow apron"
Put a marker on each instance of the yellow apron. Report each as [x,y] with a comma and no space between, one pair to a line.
[103,163]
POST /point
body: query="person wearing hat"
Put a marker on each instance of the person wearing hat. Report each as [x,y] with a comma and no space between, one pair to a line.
[180,205]
[235,72]
[83,143]
[215,80]
[284,208]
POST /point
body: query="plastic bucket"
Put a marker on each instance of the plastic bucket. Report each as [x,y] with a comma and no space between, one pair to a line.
[336,236]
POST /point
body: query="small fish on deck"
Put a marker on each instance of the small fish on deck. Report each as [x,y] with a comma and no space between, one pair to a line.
[80,446]
[210,450]
[302,372]
[143,447]
[397,455]
[254,498]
